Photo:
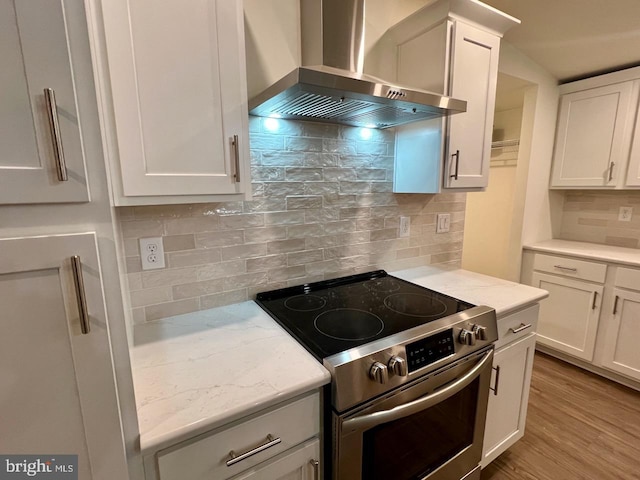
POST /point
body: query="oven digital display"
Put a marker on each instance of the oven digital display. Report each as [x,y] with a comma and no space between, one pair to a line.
[430,350]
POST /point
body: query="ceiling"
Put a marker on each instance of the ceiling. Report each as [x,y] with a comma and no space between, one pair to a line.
[574,39]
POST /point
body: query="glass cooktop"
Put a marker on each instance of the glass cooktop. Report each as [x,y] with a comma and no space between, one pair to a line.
[332,316]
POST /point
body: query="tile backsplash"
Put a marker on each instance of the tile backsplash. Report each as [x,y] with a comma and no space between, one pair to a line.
[592,216]
[322,207]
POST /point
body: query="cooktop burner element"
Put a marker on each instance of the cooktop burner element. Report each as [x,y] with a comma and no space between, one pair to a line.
[305,303]
[333,316]
[415,305]
[348,324]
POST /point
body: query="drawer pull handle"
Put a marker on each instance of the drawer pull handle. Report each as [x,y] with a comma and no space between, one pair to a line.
[235,143]
[457,155]
[495,387]
[569,269]
[595,296]
[233,458]
[54,126]
[521,328]
[615,305]
[316,468]
[81,297]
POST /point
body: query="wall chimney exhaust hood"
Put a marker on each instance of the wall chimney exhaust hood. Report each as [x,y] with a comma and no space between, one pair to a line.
[333,88]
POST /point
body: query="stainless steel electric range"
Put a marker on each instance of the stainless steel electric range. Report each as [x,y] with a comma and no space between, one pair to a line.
[410,372]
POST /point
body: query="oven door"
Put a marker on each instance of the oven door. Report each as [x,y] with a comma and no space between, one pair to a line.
[431,429]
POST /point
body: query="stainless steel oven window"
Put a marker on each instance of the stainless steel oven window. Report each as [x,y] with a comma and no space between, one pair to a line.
[431,429]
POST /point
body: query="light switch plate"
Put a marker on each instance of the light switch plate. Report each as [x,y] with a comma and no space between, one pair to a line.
[625,214]
[152,253]
[443,222]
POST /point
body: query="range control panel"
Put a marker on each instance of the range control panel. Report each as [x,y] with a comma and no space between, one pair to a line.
[430,350]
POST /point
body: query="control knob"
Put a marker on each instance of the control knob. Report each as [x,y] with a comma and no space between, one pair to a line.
[480,332]
[467,337]
[398,366]
[379,372]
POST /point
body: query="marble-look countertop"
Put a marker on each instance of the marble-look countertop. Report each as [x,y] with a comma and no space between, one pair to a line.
[504,296]
[199,371]
[195,372]
[592,251]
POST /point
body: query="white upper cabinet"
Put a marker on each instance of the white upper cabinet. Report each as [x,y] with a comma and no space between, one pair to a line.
[42,159]
[590,149]
[474,75]
[178,99]
[597,134]
[450,48]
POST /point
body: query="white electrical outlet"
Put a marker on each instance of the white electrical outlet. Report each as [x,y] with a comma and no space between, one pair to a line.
[443,222]
[625,214]
[152,253]
[405,226]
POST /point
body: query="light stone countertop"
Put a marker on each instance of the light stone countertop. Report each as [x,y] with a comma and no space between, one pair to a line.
[196,372]
[591,251]
[504,296]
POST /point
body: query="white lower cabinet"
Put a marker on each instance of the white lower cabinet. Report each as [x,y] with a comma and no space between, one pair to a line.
[620,349]
[279,444]
[569,317]
[58,390]
[511,378]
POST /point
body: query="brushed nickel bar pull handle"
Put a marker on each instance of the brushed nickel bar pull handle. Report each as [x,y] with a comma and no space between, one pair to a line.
[521,328]
[233,458]
[78,280]
[569,269]
[457,155]
[611,170]
[235,142]
[495,387]
[615,305]
[54,125]
[593,305]
[316,468]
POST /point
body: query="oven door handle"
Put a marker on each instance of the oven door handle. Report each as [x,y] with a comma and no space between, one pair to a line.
[371,420]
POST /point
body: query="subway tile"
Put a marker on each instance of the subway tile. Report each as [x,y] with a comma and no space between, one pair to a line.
[371,174]
[303,144]
[134,281]
[286,273]
[357,212]
[142,228]
[148,212]
[304,202]
[333,145]
[321,188]
[267,174]
[284,246]
[321,215]
[175,243]
[245,280]
[194,257]
[266,204]
[133,264]
[322,267]
[197,289]
[278,189]
[311,129]
[137,315]
[131,247]
[622,241]
[168,309]
[371,148]
[221,299]
[381,187]
[304,174]
[218,270]
[265,234]
[285,218]
[355,187]
[244,251]
[306,256]
[384,234]
[169,276]
[266,263]
[190,225]
[304,231]
[233,222]
[150,296]
[266,142]
[282,159]
[219,239]
[408,253]
[320,160]
[343,226]
[339,174]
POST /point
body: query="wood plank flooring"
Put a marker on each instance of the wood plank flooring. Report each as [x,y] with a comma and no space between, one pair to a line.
[579,426]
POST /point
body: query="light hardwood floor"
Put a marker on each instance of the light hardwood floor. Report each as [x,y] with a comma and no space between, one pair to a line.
[579,426]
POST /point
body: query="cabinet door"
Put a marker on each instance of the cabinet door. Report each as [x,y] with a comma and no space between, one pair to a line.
[633,172]
[35,55]
[58,394]
[620,352]
[508,400]
[592,137]
[474,74]
[179,95]
[569,316]
[295,464]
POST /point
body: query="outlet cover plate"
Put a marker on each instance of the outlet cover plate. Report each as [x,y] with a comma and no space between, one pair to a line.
[625,214]
[405,226]
[152,253]
[443,222]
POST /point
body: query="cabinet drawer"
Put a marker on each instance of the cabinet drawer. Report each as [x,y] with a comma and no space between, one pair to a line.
[517,325]
[570,267]
[627,278]
[206,458]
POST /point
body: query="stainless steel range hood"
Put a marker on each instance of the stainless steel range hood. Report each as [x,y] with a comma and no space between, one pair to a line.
[333,88]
